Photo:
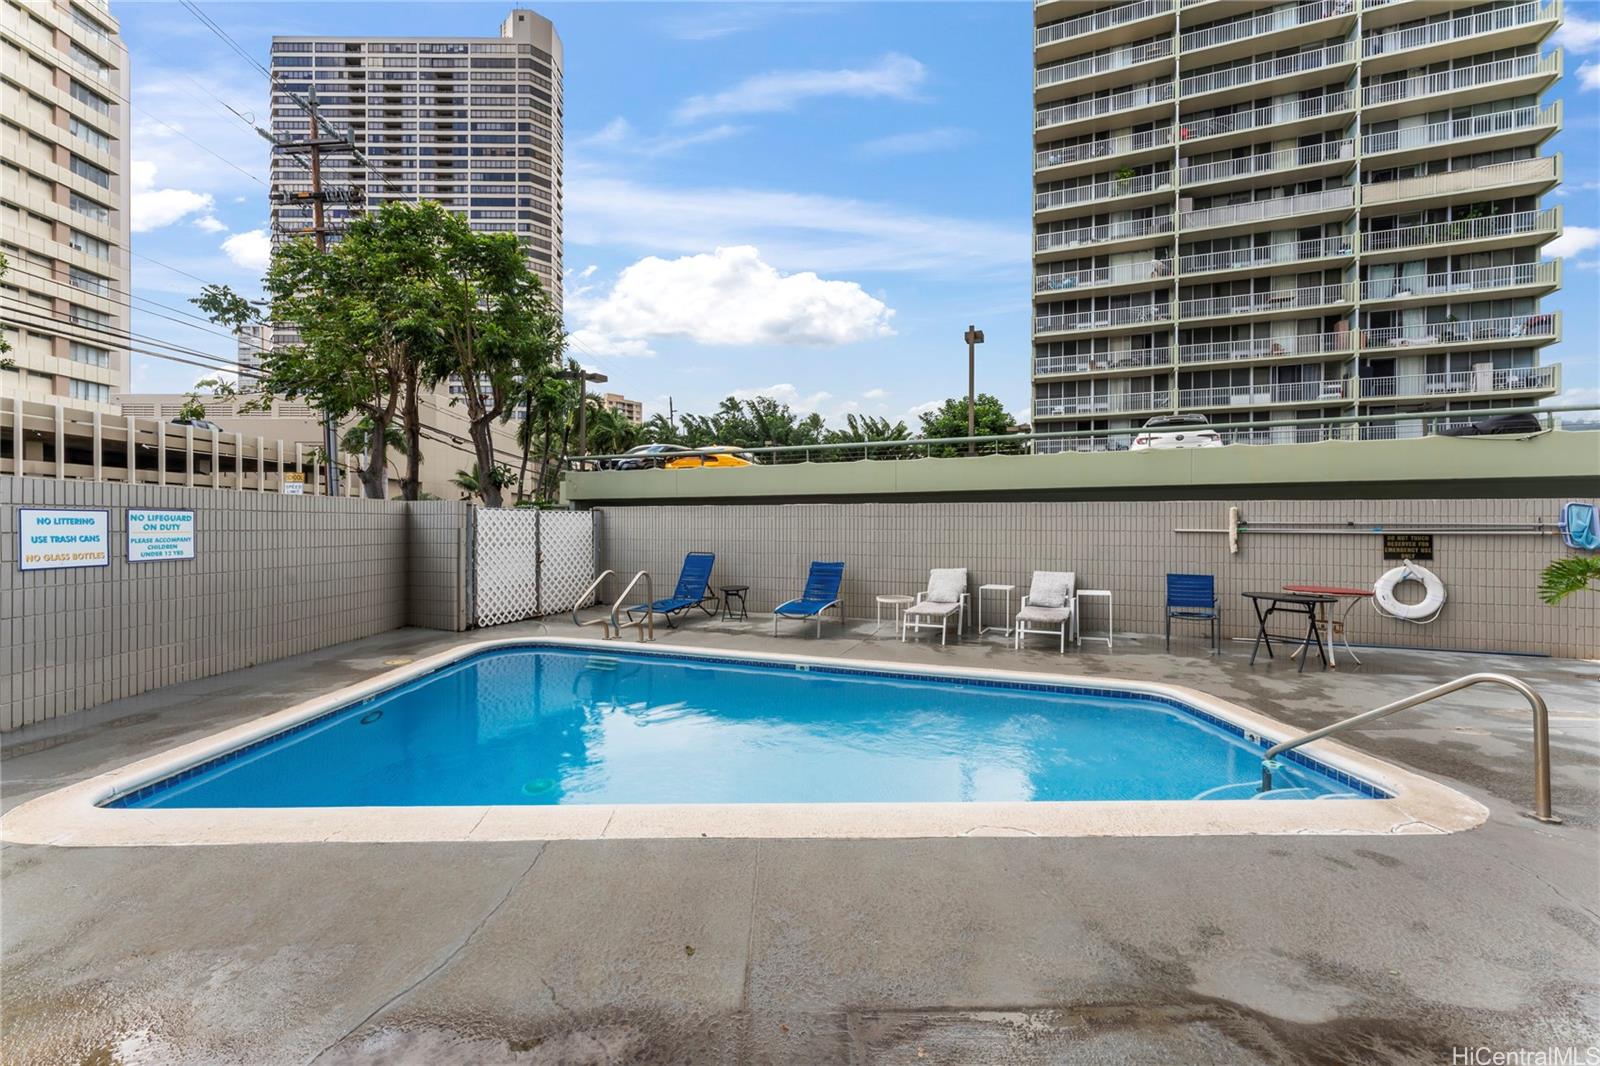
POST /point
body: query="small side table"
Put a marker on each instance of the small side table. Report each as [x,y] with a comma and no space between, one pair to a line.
[897,605]
[1009,617]
[1077,617]
[729,594]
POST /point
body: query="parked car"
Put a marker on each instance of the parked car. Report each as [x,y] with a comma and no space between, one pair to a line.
[645,457]
[1166,432]
[1497,426]
[198,423]
[720,455]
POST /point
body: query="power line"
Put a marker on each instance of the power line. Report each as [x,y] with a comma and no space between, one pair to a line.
[204,325]
[90,334]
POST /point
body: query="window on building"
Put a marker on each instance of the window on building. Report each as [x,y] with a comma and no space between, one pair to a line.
[85,95]
[85,169]
[92,63]
[89,282]
[88,316]
[88,245]
[88,353]
[90,134]
[88,390]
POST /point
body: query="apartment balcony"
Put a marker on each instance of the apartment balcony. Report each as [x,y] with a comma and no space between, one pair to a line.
[1131,150]
[1485,31]
[1331,391]
[1125,236]
[1517,331]
[1124,276]
[1307,209]
[1333,158]
[1511,128]
[1273,303]
[1107,319]
[1135,191]
[1300,347]
[1131,360]
[1144,61]
[1517,177]
[1142,104]
[1517,279]
[1112,403]
[1303,70]
[1099,29]
[1461,236]
[1527,75]
[1528,380]
[1291,118]
[1268,31]
[1315,254]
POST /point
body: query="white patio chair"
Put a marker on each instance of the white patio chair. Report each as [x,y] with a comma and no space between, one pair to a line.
[1048,607]
[945,598]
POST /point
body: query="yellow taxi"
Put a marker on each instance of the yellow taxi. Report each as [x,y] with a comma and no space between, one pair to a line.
[716,457]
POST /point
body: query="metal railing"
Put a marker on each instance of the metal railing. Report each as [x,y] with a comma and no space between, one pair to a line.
[1521,223]
[1303,344]
[1541,732]
[615,628]
[1537,325]
[1481,279]
[583,598]
[1127,100]
[1330,390]
[1462,129]
[1266,255]
[1127,229]
[1450,81]
[1151,400]
[1259,25]
[1513,379]
[1452,182]
[1268,69]
[1104,63]
[1265,210]
[1105,318]
[1084,362]
[1268,162]
[1102,190]
[1097,277]
[1497,20]
[1107,148]
[1101,20]
[1270,300]
[1270,115]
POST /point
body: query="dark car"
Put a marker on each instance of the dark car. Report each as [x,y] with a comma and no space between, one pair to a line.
[198,423]
[646,457]
[1498,426]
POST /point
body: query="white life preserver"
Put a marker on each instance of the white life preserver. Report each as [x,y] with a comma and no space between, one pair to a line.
[1426,610]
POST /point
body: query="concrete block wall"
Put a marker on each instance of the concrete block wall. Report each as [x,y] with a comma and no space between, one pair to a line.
[439,553]
[1129,547]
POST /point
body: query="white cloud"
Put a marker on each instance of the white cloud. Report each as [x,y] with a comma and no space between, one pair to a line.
[619,137]
[894,76]
[210,224]
[709,22]
[728,297]
[787,393]
[1578,397]
[916,143]
[251,249]
[874,394]
[151,208]
[1578,34]
[1589,76]
[1574,241]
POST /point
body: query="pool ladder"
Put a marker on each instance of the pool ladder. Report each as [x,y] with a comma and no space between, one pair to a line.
[611,625]
[1541,732]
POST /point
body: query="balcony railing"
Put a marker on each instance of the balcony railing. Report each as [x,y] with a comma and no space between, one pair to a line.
[1102,190]
[1100,20]
[1497,20]
[1272,300]
[1083,363]
[1114,231]
[1143,96]
[1157,400]
[1255,395]
[1467,229]
[1514,379]
[1105,318]
[1268,69]
[1450,182]
[1268,162]
[1108,148]
[1095,277]
[1482,279]
[1105,63]
[1267,255]
[1271,115]
[1449,81]
[1259,25]
[1462,129]
[1303,344]
[1540,325]
[1265,210]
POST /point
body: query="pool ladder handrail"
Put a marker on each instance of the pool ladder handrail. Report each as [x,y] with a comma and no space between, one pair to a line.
[616,627]
[1541,732]
[583,598]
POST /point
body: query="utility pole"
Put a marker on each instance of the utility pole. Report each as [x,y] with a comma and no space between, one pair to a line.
[583,377]
[974,337]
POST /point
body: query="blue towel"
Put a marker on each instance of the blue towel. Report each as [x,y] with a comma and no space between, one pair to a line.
[1580,527]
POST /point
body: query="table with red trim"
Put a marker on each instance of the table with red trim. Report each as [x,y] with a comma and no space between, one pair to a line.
[1342,626]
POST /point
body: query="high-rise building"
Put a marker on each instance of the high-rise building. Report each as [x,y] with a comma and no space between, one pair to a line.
[632,410]
[472,122]
[1291,211]
[64,188]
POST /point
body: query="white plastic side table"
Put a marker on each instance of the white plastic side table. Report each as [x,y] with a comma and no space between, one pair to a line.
[898,604]
[1010,619]
[1097,594]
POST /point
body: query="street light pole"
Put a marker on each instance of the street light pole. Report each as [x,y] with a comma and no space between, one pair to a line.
[583,377]
[974,337]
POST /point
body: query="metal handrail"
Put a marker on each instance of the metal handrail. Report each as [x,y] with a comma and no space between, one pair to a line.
[617,626]
[1541,732]
[583,596]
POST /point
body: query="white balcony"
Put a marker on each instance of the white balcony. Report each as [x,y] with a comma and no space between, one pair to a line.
[1267,256]
[1302,346]
[1270,162]
[1274,70]
[1090,362]
[1111,233]
[1525,277]
[1273,300]
[1118,148]
[1102,277]
[1263,25]
[1496,28]
[1100,21]
[1508,125]
[1462,81]
[1117,188]
[1095,107]
[1105,63]
[1490,231]
[1309,109]
[1104,318]
[1157,400]
[1328,391]
[1515,177]
[1516,331]
[1465,382]
[1280,207]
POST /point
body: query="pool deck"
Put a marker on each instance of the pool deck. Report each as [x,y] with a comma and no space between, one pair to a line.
[1254,949]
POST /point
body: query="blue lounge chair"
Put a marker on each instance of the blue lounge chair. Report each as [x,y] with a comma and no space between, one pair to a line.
[822,592]
[694,590]
[1193,597]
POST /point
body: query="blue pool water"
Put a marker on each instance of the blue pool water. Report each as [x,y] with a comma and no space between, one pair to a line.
[559,725]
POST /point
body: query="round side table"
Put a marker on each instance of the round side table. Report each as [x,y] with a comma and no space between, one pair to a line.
[897,606]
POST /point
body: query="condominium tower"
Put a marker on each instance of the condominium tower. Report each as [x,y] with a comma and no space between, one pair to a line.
[1291,211]
[64,189]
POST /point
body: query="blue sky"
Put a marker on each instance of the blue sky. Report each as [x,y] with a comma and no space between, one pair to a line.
[807,200]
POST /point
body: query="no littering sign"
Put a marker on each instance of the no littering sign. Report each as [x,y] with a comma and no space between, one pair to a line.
[60,540]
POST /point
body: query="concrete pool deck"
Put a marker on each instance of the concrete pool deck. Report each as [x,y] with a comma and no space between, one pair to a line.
[1264,949]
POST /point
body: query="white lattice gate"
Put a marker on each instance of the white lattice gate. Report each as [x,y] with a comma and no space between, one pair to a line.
[528,563]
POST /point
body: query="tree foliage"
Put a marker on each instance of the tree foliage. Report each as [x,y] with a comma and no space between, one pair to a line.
[1565,576]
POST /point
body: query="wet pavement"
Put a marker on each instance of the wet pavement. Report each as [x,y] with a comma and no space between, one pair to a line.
[974,951]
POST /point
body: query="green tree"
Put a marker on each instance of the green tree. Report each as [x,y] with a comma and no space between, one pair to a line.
[610,433]
[473,483]
[863,429]
[657,429]
[1565,576]
[950,420]
[758,422]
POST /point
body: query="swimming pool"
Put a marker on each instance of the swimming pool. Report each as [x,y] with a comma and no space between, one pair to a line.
[559,726]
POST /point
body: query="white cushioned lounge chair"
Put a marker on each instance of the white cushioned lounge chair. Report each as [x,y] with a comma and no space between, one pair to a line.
[944,599]
[1048,607]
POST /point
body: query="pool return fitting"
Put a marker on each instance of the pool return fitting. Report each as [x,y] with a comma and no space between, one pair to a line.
[1541,733]
[611,625]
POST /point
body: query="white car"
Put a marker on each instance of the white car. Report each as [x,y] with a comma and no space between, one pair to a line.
[1166,432]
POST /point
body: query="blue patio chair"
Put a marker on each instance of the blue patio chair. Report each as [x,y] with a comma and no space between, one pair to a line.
[822,592]
[1193,598]
[694,590]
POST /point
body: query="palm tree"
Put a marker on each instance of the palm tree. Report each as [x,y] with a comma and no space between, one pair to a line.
[1565,576]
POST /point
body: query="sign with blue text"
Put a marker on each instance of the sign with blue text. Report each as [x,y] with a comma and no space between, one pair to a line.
[61,540]
[155,535]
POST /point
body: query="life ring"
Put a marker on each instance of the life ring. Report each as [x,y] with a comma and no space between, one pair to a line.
[1426,610]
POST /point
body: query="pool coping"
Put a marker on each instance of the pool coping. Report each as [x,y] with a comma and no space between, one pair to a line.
[73,816]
